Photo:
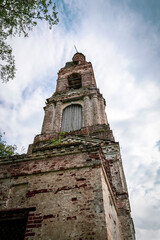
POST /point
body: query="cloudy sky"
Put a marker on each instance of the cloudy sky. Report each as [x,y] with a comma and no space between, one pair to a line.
[122,40]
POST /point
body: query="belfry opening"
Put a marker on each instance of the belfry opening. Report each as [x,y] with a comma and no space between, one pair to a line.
[74,81]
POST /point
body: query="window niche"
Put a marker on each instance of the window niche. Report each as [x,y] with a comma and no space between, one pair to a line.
[74,81]
[72,118]
[17,195]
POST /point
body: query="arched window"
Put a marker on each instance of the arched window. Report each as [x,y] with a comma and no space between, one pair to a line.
[72,118]
[74,81]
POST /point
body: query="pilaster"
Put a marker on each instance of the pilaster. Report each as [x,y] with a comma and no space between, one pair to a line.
[96,112]
[48,118]
[102,111]
[87,112]
[58,117]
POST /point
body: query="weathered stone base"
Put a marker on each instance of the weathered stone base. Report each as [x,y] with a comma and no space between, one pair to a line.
[71,189]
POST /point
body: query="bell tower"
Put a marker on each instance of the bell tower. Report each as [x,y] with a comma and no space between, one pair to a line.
[76,111]
[77,103]
[72,177]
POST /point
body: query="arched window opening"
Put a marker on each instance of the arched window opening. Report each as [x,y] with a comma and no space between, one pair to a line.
[74,81]
[72,118]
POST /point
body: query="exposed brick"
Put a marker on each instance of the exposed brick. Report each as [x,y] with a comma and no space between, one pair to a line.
[31,225]
[29,234]
[48,216]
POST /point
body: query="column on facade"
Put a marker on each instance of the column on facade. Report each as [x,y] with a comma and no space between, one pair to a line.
[96,110]
[58,117]
[87,112]
[48,118]
[103,119]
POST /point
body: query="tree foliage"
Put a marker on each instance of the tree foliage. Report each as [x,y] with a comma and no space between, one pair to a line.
[18,17]
[6,150]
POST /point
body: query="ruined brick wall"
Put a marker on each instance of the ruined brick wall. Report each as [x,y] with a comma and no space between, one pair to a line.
[114,170]
[75,190]
[110,209]
[71,186]
[66,192]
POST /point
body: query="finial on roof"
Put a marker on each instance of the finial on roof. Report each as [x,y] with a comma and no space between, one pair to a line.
[75,48]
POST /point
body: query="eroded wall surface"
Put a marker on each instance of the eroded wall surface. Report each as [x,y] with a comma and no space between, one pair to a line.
[65,191]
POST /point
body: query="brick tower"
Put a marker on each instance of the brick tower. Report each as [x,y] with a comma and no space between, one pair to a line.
[70,185]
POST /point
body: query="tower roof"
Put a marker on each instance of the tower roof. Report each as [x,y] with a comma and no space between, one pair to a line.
[79,57]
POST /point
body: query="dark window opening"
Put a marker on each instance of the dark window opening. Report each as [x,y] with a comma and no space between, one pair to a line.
[72,118]
[13,224]
[74,81]
[13,229]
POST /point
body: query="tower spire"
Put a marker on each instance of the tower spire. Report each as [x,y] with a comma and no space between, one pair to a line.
[75,48]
